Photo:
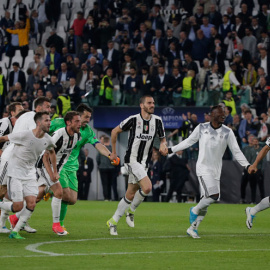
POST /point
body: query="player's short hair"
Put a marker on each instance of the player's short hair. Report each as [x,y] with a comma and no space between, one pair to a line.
[142,99]
[215,108]
[82,107]
[21,113]
[69,116]
[39,101]
[12,106]
[38,116]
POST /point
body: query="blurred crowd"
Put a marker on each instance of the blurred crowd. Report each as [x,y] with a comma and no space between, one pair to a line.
[183,53]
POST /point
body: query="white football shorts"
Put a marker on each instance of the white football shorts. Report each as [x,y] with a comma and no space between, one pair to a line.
[44,178]
[209,186]
[136,172]
[18,189]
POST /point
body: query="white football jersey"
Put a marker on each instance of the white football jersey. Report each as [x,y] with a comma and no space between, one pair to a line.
[27,149]
[6,128]
[24,122]
[141,137]
[64,145]
[212,145]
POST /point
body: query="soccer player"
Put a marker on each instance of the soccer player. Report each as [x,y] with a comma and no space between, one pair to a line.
[22,184]
[68,175]
[143,128]
[25,122]
[265,202]
[6,127]
[213,137]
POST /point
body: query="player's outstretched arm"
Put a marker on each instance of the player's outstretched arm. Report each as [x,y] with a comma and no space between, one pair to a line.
[163,149]
[4,139]
[253,168]
[114,135]
[47,165]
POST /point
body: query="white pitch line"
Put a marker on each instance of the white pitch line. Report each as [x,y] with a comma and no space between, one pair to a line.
[34,247]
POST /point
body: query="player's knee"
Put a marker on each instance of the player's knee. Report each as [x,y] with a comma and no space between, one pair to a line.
[72,201]
[146,190]
[58,194]
[31,205]
[17,206]
[214,197]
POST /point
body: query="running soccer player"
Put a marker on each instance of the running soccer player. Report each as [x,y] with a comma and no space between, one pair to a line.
[265,202]
[22,184]
[68,175]
[6,127]
[25,122]
[213,137]
[143,128]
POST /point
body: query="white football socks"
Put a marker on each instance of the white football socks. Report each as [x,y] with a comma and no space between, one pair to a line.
[138,199]
[56,208]
[4,214]
[203,203]
[123,205]
[24,217]
[262,205]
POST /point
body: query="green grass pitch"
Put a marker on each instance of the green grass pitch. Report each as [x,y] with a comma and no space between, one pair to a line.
[158,241]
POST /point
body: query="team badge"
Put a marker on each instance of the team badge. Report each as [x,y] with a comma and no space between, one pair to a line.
[152,128]
[145,128]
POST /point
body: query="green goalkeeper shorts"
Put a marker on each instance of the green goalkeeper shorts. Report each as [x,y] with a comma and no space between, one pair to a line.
[68,179]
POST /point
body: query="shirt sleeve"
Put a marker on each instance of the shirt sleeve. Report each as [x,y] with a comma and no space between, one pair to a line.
[17,138]
[268,142]
[193,138]
[237,153]
[57,124]
[92,139]
[127,123]
[160,129]
[3,128]
[233,79]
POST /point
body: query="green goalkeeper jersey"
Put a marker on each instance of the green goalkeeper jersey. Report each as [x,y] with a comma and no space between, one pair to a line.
[87,136]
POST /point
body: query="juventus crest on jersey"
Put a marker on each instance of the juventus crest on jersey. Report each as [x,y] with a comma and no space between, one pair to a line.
[5,129]
[141,137]
[64,146]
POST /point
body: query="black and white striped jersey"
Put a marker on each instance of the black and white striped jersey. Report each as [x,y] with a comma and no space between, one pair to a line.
[141,137]
[5,129]
[64,146]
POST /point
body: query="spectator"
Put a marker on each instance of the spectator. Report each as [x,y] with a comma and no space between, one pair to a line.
[91,90]
[125,71]
[36,66]
[7,22]
[249,42]
[14,42]
[106,170]
[34,24]
[190,64]
[84,179]
[178,166]
[71,42]
[145,82]
[78,26]
[161,86]
[106,89]
[177,86]
[142,36]
[15,76]
[82,77]
[155,168]
[250,76]
[53,86]
[263,128]
[189,89]
[84,53]
[264,62]
[231,41]
[198,14]
[64,75]
[63,103]
[239,27]
[170,38]
[206,27]
[132,88]
[50,97]
[157,22]
[44,77]
[256,28]
[244,54]
[217,55]
[42,18]
[229,80]
[53,11]
[94,66]
[229,102]
[56,41]
[16,93]
[171,54]
[19,11]
[246,128]
[113,56]
[74,92]
[215,17]
[23,33]
[226,27]
[52,60]
[201,96]
[260,98]
[89,30]
[94,53]
[105,33]
[184,45]
[245,14]
[229,119]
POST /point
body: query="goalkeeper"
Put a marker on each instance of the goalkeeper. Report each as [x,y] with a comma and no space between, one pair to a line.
[68,176]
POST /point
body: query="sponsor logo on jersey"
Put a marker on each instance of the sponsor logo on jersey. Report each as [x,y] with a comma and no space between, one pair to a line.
[144,137]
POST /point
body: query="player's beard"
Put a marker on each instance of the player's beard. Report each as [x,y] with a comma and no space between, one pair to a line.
[149,110]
